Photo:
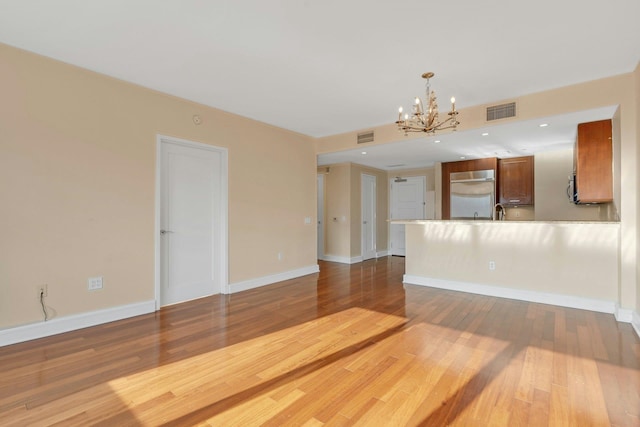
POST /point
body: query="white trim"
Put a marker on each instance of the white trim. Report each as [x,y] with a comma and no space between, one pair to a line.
[635,322]
[518,294]
[232,288]
[352,260]
[623,314]
[224,208]
[71,323]
[156,226]
[342,259]
[333,258]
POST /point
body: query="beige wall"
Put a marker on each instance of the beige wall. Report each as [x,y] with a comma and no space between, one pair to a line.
[77,182]
[618,90]
[575,259]
[552,170]
[343,199]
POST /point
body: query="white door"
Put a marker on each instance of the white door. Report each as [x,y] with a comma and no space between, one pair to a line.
[407,202]
[192,221]
[320,216]
[368,208]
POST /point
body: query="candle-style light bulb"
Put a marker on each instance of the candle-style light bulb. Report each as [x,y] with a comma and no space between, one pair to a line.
[400,114]
[453,103]
[418,105]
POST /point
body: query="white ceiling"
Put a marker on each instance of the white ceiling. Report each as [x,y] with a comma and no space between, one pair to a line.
[326,67]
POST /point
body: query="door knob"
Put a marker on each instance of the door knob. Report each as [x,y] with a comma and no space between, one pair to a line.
[163,232]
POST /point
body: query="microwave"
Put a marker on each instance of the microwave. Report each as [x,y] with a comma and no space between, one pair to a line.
[572,189]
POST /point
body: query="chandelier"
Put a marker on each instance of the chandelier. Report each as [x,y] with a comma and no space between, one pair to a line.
[426,119]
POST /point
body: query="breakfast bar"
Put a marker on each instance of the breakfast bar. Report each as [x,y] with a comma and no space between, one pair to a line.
[567,263]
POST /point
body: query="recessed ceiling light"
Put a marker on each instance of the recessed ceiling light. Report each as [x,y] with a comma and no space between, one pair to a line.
[544,125]
[485,134]
[462,157]
[364,152]
[437,141]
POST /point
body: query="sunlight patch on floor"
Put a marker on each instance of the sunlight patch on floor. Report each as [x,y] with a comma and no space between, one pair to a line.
[243,373]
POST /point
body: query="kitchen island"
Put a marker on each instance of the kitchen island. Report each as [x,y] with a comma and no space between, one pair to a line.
[567,263]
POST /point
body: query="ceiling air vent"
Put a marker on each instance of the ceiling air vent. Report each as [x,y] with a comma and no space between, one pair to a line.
[503,111]
[365,137]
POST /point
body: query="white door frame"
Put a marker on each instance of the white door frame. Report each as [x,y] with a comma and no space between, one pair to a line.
[222,249]
[363,178]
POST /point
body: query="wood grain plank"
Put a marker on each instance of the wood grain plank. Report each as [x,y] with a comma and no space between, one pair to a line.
[351,345]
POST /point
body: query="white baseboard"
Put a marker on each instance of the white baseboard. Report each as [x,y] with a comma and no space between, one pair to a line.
[268,280]
[333,258]
[71,323]
[343,259]
[352,260]
[518,294]
[623,314]
[635,322]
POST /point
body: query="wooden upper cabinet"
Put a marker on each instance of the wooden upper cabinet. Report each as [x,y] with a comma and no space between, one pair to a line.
[594,162]
[515,181]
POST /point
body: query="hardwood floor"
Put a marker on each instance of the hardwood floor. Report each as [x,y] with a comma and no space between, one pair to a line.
[348,346]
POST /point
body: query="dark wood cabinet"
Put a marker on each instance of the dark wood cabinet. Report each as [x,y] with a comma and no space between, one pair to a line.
[594,162]
[515,181]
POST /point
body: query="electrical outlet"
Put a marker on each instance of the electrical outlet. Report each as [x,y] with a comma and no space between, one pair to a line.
[42,290]
[492,265]
[94,283]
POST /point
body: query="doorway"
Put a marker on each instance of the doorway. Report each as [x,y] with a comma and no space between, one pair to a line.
[368,213]
[320,216]
[407,202]
[191,221]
